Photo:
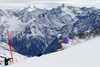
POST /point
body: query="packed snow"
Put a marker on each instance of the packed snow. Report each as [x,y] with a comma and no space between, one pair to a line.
[5,52]
[81,55]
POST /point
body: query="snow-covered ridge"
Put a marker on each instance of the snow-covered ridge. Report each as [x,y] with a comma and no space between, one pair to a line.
[82,55]
[84,36]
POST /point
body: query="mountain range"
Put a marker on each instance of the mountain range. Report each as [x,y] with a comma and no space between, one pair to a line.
[34,30]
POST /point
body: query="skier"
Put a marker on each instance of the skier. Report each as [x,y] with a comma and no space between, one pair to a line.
[6,60]
[65,41]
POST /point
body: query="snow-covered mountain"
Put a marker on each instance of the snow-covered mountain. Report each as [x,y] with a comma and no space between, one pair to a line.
[16,20]
[31,8]
[33,30]
[41,32]
[85,54]
[5,52]
[87,22]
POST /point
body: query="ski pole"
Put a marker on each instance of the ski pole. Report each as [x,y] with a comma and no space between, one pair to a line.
[67,30]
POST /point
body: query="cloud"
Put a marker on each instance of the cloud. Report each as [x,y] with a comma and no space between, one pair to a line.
[98,1]
[47,3]
[12,4]
[13,1]
[55,1]
[38,1]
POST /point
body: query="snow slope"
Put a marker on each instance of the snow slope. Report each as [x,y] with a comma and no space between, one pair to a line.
[82,55]
[5,52]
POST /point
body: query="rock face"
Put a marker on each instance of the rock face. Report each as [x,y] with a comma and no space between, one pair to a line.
[34,30]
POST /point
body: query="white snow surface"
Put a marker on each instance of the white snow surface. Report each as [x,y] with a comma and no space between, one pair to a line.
[5,52]
[86,54]
[31,8]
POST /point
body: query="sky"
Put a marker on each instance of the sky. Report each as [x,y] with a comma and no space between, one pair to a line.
[10,4]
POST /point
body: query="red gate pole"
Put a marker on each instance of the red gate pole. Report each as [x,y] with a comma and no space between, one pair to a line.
[9,45]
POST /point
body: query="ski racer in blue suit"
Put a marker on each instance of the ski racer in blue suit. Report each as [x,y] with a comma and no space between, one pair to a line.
[65,41]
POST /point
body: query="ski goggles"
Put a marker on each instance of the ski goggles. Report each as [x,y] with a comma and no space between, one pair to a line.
[60,37]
